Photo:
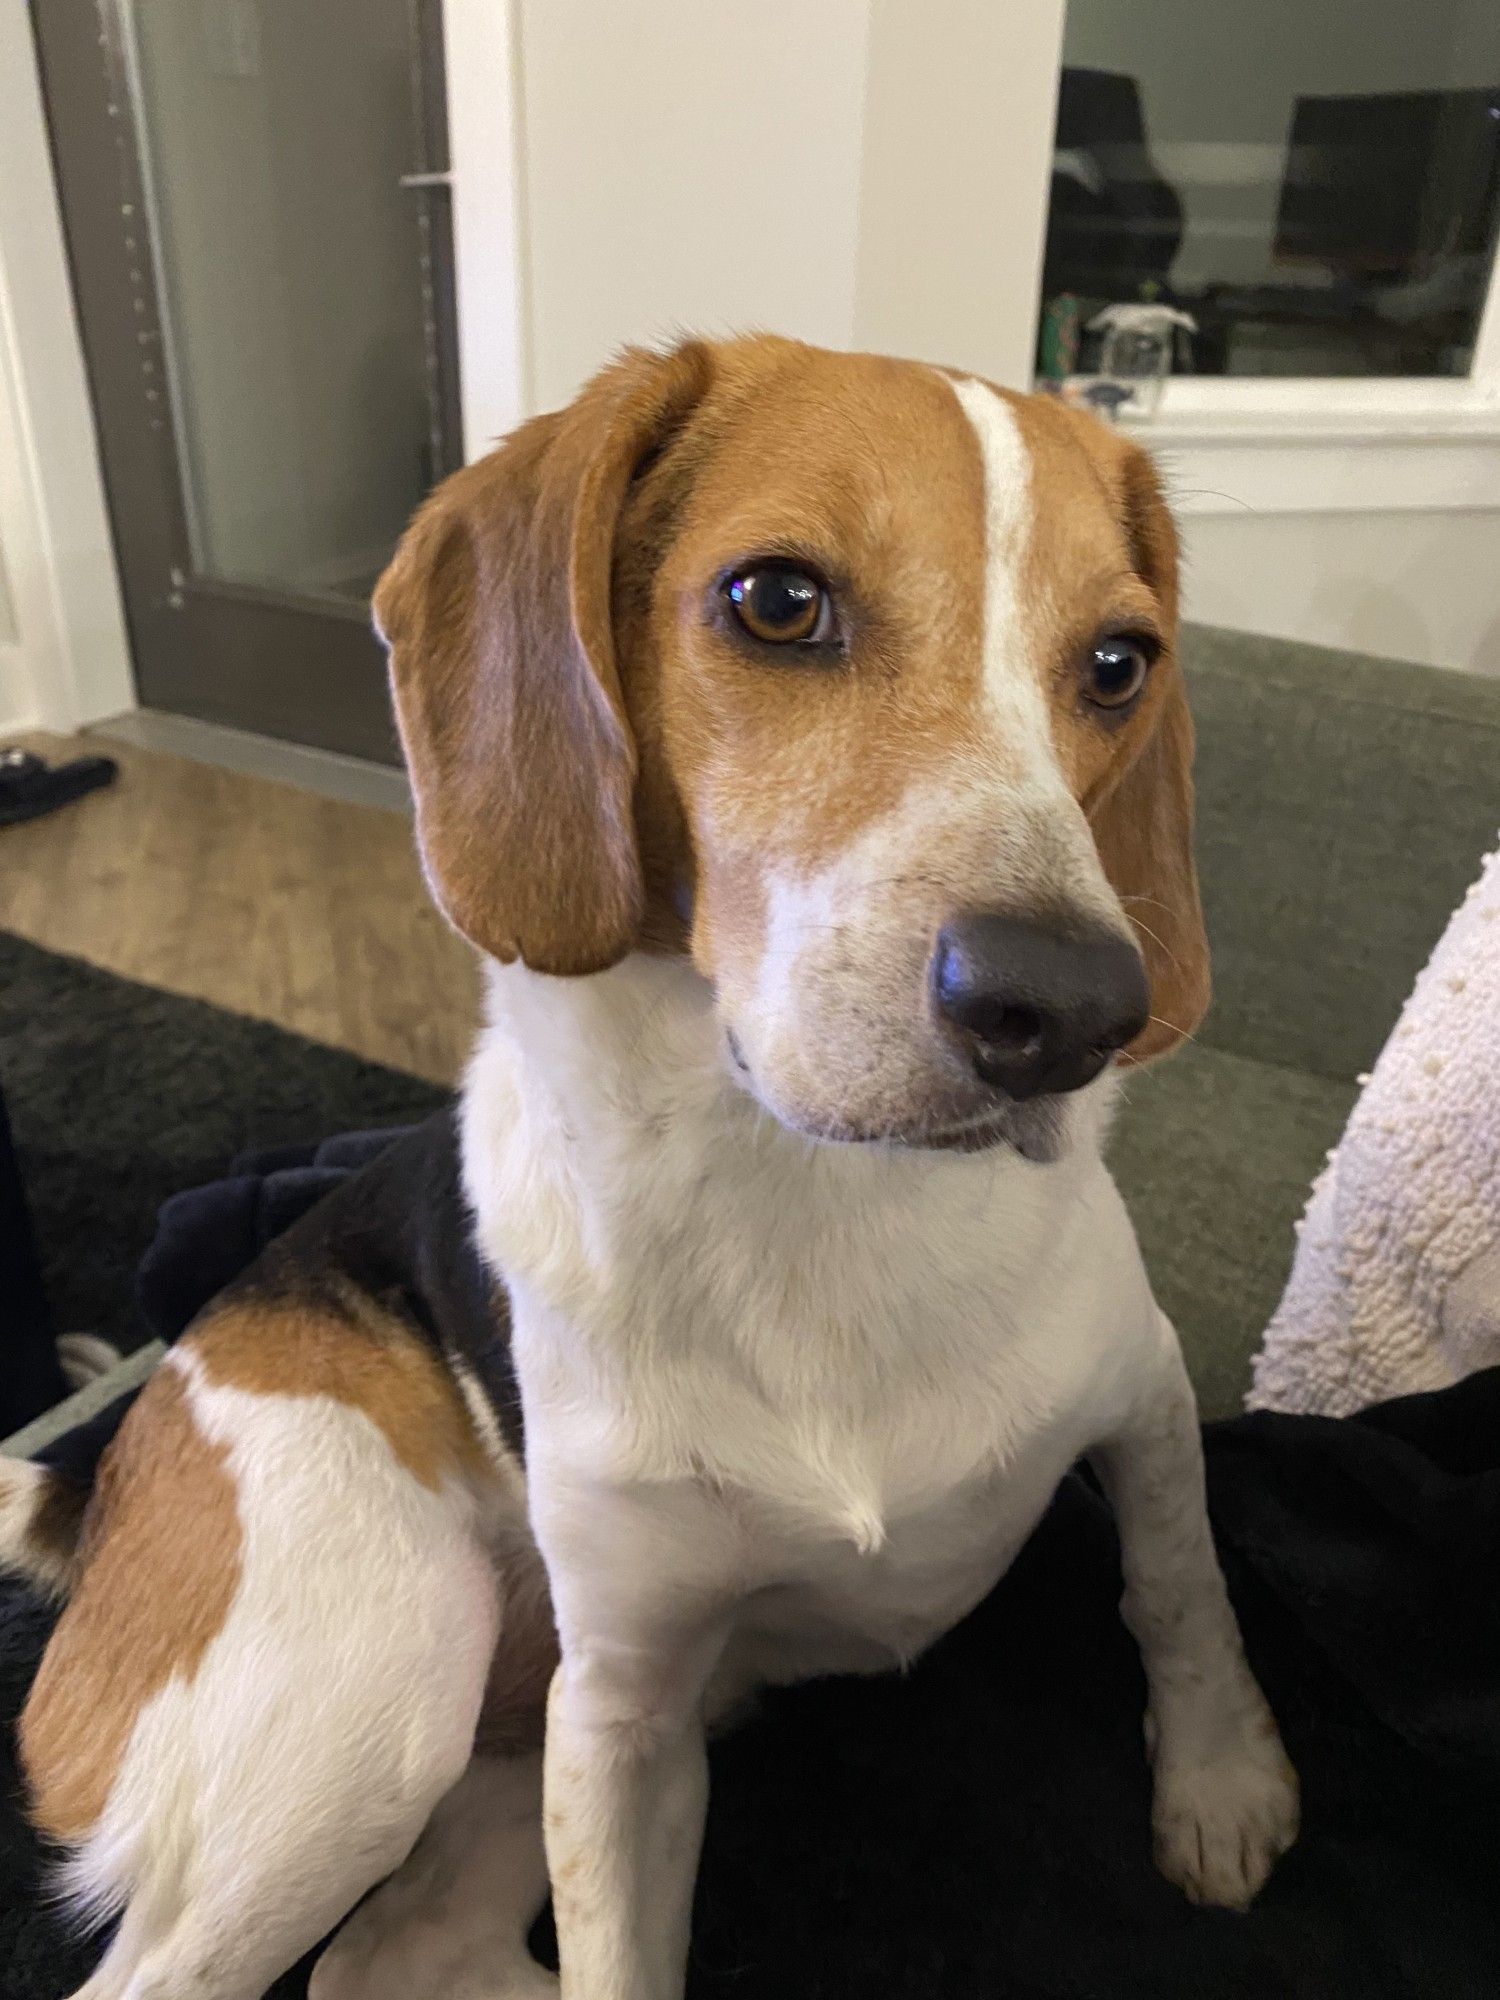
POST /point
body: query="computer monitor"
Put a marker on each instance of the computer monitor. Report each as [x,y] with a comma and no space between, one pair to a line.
[1382,186]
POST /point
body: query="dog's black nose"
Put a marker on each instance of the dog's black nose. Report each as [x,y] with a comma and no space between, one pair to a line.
[1039,1011]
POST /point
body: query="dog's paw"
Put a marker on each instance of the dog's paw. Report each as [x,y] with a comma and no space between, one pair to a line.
[1222,1824]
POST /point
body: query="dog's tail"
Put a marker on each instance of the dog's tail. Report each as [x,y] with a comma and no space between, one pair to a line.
[41,1522]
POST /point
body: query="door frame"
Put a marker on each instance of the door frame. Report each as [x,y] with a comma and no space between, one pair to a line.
[67,662]
[72,663]
[482,62]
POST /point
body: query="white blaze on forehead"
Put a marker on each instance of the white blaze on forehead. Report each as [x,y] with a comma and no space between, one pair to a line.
[994,827]
[1011,678]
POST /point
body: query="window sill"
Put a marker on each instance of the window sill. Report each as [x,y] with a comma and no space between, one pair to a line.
[1393,460]
[1390,425]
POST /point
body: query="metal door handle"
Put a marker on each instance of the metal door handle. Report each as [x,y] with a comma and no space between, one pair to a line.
[439,179]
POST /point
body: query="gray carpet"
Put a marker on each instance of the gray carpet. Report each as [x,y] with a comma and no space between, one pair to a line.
[120,1095]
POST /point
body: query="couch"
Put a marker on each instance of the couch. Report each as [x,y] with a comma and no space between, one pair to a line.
[1344,804]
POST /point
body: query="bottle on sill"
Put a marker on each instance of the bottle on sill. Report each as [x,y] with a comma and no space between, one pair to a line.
[1137,351]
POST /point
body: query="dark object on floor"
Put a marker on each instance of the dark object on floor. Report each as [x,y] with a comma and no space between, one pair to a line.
[981,1825]
[29,786]
[120,1096]
[31,1379]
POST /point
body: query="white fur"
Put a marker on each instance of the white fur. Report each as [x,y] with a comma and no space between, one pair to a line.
[314,1716]
[792,1408]
[850,1333]
[1012,682]
[452,1921]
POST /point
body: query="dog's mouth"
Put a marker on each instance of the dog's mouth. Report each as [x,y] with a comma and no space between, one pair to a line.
[1036,1130]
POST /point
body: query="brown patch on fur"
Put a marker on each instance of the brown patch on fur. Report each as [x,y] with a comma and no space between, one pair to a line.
[582,737]
[57,1523]
[1103,557]
[1143,828]
[506,684]
[149,1601]
[358,1356]
[866,469]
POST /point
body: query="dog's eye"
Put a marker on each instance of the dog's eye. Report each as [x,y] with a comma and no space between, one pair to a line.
[1116,670]
[781,605]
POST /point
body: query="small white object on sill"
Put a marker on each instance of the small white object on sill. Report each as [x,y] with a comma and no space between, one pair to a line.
[1135,359]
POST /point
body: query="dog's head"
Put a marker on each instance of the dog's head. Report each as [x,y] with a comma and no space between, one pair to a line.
[851,678]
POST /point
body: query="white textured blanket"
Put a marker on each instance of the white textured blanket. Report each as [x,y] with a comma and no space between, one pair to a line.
[1396,1283]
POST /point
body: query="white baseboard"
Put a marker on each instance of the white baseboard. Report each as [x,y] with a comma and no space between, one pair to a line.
[323,771]
[17,709]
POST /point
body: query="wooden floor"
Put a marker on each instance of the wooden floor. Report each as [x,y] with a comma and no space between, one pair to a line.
[259,897]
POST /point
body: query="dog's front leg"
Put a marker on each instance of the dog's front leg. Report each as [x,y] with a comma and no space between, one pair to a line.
[1226,1803]
[641,1623]
[626,1788]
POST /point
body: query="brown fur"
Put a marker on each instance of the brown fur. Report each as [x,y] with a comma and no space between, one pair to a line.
[867,468]
[57,1523]
[150,1600]
[497,610]
[359,1357]
[598,761]
[1133,775]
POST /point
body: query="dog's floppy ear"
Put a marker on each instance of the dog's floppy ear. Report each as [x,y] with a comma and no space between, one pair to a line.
[496,610]
[1143,825]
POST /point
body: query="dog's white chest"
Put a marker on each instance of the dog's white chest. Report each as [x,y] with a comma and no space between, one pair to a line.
[842,1607]
[829,1389]
[846,1450]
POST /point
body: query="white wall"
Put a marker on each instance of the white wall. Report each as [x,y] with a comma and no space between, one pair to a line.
[18,699]
[842,173]
[1404,586]
[685,167]
[959,110]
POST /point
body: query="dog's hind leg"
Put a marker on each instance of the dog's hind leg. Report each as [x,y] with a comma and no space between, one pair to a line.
[453,1919]
[271,1669]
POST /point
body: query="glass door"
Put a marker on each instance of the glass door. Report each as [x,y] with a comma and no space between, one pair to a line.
[257,209]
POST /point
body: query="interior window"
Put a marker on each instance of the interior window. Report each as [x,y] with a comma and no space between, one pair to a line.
[1318,185]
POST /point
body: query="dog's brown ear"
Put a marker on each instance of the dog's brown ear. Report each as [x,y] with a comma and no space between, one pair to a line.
[496,611]
[1143,825]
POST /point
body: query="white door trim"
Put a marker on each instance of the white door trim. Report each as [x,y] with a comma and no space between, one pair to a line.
[481,48]
[69,661]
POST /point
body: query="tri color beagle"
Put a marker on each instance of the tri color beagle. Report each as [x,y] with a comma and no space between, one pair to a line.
[800,737]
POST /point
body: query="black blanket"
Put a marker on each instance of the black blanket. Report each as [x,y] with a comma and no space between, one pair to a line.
[980,1826]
